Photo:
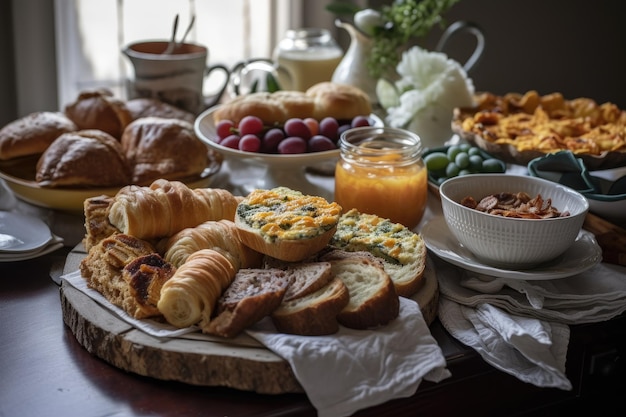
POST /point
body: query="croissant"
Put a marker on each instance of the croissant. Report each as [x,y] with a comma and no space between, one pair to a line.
[167,207]
[190,295]
[217,235]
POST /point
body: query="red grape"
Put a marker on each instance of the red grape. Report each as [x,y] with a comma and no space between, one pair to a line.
[271,139]
[250,125]
[329,127]
[292,145]
[250,143]
[231,142]
[360,121]
[319,143]
[313,125]
[223,128]
[296,127]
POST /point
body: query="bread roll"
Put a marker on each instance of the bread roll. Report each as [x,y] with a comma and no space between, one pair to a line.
[340,101]
[32,134]
[167,207]
[98,109]
[286,224]
[321,100]
[90,158]
[156,147]
[150,107]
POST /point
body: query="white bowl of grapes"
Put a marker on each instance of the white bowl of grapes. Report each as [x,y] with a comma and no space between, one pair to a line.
[286,154]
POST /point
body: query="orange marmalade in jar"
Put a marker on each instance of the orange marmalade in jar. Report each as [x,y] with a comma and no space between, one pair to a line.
[381,172]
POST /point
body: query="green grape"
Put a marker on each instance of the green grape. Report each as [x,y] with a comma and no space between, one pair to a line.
[492,165]
[462,160]
[452,170]
[475,163]
[436,161]
[453,151]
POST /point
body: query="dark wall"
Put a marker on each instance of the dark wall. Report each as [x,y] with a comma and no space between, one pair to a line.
[8,108]
[576,47]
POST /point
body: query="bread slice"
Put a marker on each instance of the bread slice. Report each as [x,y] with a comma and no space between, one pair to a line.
[254,294]
[373,298]
[314,314]
[402,250]
[306,277]
[286,224]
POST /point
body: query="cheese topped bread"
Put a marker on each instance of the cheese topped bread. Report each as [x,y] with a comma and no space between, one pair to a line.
[286,224]
[402,251]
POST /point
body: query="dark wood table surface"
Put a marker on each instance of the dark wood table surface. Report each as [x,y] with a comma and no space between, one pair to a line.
[44,371]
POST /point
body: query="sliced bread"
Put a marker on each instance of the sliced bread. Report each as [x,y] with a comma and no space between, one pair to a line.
[253,294]
[286,224]
[373,298]
[402,250]
[314,314]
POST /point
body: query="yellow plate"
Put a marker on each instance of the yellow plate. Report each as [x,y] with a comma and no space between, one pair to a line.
[19,175]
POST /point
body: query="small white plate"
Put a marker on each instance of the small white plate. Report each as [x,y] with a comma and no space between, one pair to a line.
[20,233]
[54,244]
[582,255]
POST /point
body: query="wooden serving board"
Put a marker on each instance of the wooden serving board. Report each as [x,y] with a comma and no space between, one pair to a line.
[197,359]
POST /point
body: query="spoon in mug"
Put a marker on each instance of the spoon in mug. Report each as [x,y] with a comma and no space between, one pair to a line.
[172,44]
[193,19]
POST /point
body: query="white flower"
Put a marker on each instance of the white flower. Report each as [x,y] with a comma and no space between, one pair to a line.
[427,79]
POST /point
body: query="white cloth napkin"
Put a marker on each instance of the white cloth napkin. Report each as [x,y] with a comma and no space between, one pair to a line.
[521,327]
[342,373]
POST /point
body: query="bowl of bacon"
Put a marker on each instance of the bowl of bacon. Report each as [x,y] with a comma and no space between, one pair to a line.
[511,221]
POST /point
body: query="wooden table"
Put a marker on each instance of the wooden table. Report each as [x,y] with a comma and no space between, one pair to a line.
[45,372]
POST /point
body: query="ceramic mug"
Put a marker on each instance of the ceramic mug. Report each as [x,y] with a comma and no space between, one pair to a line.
[177,78]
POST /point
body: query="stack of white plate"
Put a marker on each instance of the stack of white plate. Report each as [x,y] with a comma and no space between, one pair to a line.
[25,237]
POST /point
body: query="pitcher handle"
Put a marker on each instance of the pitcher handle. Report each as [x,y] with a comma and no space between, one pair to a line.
[214,99]
[469,27]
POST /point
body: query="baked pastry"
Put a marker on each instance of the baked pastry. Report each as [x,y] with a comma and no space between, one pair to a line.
[314,314]
[253,295]
[145,276]
[373,298]
[98,109]
[402,251]
[286,224]
[340,101]
[156,147]
[218,235]
[97,225]
[151,107]
[103,265]
[321,100]
[167,207]
[90,158]
[190,296]
[32,134]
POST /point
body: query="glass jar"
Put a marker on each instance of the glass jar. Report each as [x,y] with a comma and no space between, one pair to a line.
[381,171]
[309,56]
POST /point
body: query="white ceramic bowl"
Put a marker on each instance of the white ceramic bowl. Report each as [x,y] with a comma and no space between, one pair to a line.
[506,242]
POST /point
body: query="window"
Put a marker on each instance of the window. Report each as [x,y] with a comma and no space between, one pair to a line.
[91,34]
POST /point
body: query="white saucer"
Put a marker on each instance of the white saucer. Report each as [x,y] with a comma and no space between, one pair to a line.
[582,255]
[20,233]
[54,244]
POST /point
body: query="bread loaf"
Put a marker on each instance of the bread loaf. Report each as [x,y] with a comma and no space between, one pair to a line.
[190,296]
[326,99]
[157,147]
[90,158]
[97,225]
[32,134]
[99,109]
[402,251]
[167,207]
[286,224]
